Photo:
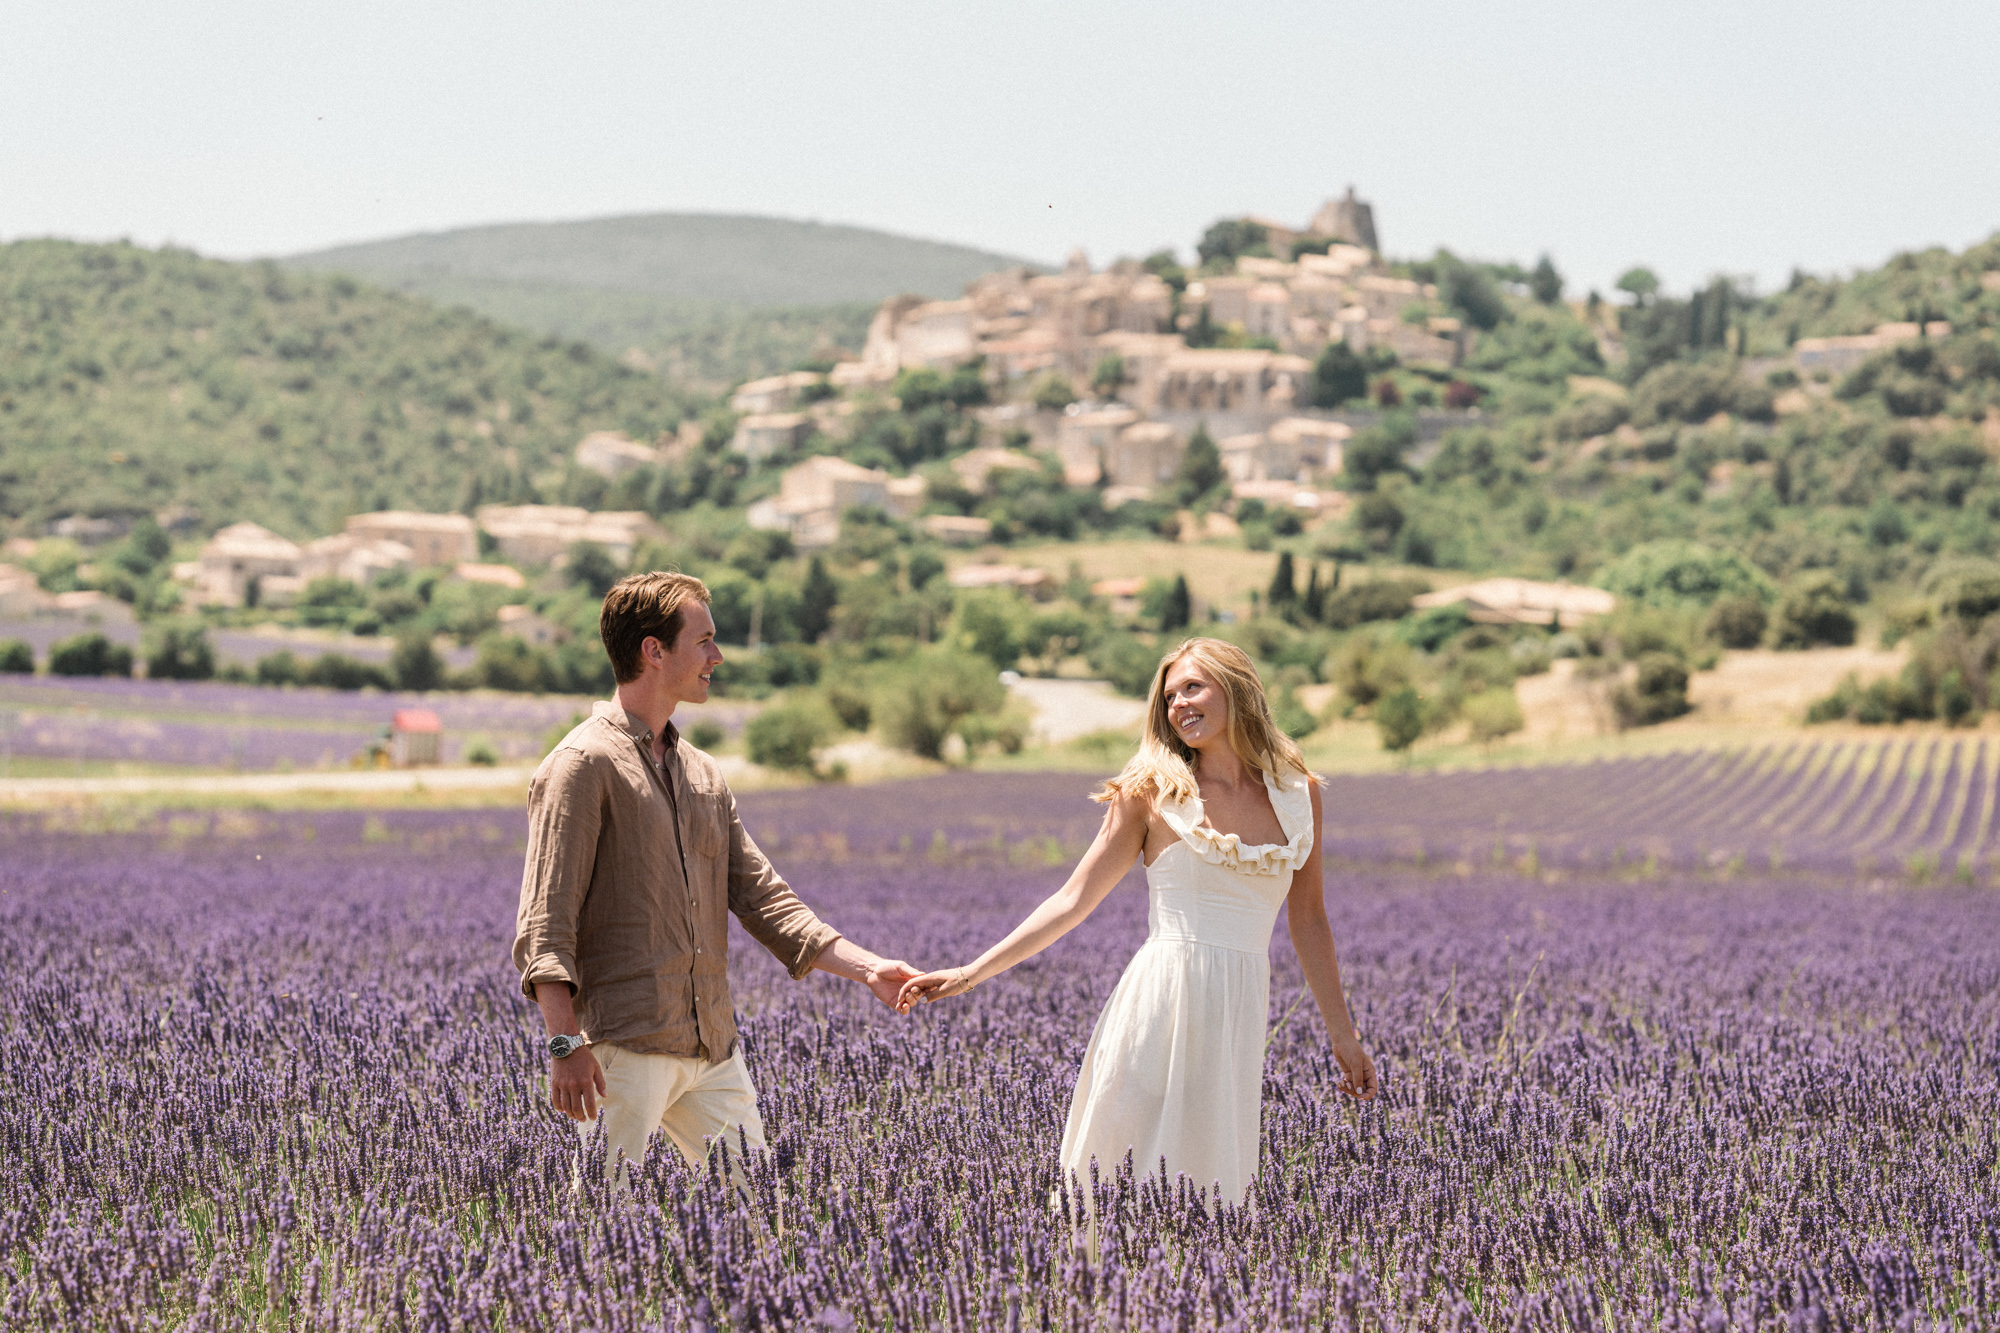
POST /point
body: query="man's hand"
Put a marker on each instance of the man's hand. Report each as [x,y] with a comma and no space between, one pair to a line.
[886,980]
[882,976]
[576,1082]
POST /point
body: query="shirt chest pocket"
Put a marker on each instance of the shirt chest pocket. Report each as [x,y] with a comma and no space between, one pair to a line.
[708,824]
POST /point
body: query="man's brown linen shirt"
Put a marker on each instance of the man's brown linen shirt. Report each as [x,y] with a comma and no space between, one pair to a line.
[632,870]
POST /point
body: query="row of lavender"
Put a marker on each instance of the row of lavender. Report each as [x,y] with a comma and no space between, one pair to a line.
[210,724]
[274,1073]
[1925,805]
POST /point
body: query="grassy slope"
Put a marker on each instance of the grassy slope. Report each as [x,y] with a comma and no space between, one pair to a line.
[134,379]
[710,298]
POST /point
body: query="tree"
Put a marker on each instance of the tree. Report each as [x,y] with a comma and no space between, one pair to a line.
[89,655]
[1054,393]
[1640,283]
[1282,592]
[1338,376]
[785,737]
[1201,467]
[1815,611]
[1493,713]
[1109,377]
[590,566]
[1378,451]
[1399,717]
[816,601]
[1471,290]
[1178,607]
[1545,284]
[415,664]
[1736,621]
[1229,238]
[17,657]
[180,652]
[1681,573]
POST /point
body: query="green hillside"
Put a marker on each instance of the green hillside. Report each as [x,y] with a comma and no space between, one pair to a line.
[711,299]
[132,380]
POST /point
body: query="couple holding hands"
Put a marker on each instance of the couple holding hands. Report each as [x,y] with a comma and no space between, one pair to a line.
[636,858]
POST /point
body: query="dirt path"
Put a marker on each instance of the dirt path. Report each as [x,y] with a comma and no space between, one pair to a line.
[39,791]
[1067,709]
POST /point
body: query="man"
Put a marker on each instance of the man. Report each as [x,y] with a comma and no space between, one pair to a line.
[634,853]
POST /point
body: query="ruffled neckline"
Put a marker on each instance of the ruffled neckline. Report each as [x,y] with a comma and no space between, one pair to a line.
[1230,851]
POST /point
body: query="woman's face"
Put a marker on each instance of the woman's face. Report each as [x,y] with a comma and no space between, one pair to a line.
[1197,709]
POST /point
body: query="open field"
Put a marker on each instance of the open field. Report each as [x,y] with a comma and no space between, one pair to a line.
[1615,1098]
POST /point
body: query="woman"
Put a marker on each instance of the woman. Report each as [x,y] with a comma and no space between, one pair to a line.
[1219,804]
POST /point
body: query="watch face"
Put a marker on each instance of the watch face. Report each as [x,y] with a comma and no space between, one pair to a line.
[561,1046]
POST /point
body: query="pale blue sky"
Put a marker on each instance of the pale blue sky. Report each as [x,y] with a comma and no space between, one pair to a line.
[1742,137]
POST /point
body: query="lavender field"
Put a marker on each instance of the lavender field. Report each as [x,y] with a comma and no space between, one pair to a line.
[249,728]
[271,1071]
[1918,807]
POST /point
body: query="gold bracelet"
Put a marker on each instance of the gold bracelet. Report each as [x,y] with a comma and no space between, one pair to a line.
[965,975]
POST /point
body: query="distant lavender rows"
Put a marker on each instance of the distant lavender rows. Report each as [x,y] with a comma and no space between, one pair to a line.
[1921,803]
[208,724]
[240,646]
[279,1075]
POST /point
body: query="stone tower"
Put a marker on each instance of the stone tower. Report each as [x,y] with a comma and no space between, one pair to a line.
[1350,219]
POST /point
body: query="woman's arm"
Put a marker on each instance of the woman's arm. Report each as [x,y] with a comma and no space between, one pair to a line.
[1312,938]
[1119,842]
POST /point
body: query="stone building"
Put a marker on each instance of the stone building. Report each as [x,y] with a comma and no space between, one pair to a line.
[612,454]
[237,561]
[775,393]
[1347,219]
[1141,457]
[433,539]
[543,534]
[814,495]
[1321,445]
[1082,436]
[770,434]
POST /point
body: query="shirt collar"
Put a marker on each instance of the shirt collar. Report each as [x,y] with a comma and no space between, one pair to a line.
[611,712]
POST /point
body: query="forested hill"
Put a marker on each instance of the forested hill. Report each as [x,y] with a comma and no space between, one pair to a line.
[746,261]
[134,379]
[706,299]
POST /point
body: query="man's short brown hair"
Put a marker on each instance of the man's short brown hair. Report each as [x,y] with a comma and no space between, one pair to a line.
[641,607]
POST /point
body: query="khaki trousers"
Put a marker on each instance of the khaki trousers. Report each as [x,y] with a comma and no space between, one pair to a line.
[693,1100]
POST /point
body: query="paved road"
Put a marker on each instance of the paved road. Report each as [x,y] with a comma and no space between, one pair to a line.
[1067,709]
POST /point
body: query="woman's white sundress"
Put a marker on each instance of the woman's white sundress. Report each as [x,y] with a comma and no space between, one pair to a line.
[1175,1066]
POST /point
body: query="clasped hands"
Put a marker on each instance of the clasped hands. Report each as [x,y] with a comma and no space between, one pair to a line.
[933,986]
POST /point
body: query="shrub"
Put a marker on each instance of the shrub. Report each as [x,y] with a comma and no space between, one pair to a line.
[1681,573]
[1293,718]
[1659,692]
[705,734]
[1492,714]
[1736,621]
[1054,393]
[1378,599]
[507,662]
[17,658]
[1125,661]
[1366,669]
[481,752]
[89,655]
[850,706]
[1815,611]
[785,736]
[929,696]
[415,665]
[1593,414]
[179,652]
[338,672]
[1399,717]
[279,668]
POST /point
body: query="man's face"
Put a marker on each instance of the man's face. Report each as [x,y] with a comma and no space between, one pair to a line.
[684,669]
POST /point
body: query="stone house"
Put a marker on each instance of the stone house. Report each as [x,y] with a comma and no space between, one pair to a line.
[433,539]
[775,393]
[1143,456]
[1082,437]
[1259,457]
[1230,379]
[958,530]
[612,454]
[1507,601]
[357,559]
[241,557]
[1321,445]
[529,626]
[1347,219]
[769,434]
[542,534]
[975,469]
[813,495]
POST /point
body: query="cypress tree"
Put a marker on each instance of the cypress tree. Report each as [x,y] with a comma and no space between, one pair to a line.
[1178,609]
[1314,605]
[816,601]
[1283,593]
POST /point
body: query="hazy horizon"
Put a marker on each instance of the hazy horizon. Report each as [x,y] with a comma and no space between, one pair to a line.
[1705,140]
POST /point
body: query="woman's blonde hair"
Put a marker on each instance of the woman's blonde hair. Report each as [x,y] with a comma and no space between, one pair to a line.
[1163,770]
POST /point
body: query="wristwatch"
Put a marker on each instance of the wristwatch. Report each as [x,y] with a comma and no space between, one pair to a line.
[562,1046]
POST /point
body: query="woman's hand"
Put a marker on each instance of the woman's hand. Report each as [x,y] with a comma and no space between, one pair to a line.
[934,986]
[1357,1069]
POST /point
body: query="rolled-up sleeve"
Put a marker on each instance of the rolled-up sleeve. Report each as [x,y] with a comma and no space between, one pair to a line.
[767,907]
[564,815]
